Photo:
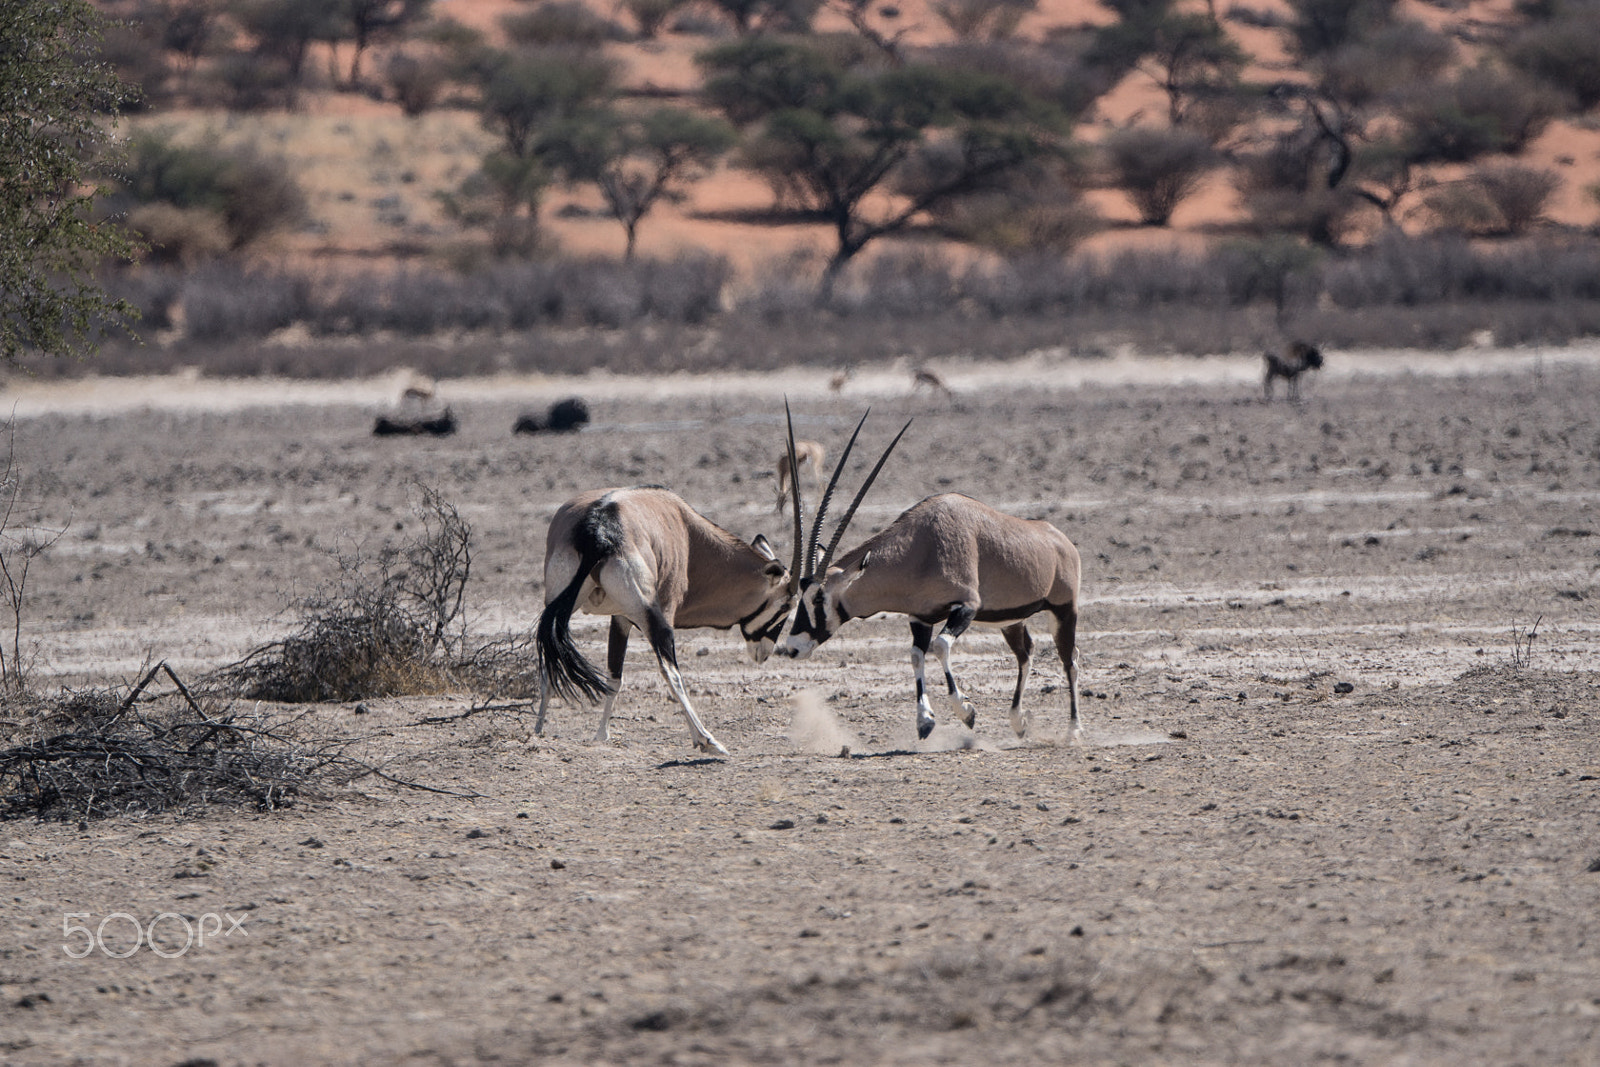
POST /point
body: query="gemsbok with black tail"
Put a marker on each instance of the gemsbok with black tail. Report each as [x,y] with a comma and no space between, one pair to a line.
[950,560]
[646,558]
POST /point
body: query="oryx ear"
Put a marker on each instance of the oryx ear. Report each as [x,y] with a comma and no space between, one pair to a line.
[866,557]
[776,571]
[764,548]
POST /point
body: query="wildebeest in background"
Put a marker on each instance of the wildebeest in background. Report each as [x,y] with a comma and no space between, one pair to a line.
[1301,358]
[442,425]
[565,416]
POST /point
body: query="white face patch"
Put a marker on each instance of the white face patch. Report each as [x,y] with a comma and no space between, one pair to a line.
[797,646]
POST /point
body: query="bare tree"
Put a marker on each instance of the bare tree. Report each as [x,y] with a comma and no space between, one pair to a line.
[20,544]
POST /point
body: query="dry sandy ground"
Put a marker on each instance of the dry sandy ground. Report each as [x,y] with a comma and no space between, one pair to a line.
[1243,865]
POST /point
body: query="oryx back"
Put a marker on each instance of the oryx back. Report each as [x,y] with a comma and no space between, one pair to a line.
[952,549]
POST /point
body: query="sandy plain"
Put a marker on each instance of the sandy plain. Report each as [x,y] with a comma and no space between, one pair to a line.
[1244,864]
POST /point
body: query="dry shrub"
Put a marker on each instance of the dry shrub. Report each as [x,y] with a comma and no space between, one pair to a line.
[185,236]
[104,752]
[389,628]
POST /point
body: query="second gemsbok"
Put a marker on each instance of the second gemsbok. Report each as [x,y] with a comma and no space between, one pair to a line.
[952,560]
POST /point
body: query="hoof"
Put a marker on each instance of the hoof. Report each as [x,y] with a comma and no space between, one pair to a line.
[924,727]
[1019,724]
[711,746]
[969,714]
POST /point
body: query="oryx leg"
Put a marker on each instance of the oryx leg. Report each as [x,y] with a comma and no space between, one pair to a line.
[1021,643]
[922,639]
[1066,635]
[664,644]
[616,652]
[961,617]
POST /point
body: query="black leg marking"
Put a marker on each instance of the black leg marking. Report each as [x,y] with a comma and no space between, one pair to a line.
[921,638]
[1021,643]
[662,641]
[617,645]
[1066,635]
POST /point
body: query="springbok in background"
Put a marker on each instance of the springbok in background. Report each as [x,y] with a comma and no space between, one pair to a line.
[807,454]
[1301,358]
[649,560]
[923,377]
[419,390]
[953,560]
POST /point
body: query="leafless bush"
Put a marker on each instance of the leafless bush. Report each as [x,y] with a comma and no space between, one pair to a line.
[21,544]
[417,81]
[390,627]
[1519,194]
[1158,167]
[994,20]
[224,301]
[1522,638]
[105,752]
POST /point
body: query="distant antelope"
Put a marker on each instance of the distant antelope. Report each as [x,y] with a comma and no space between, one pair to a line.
[808,455]
[922,376]
[954,560]
[649,560]
[840,377]
[418,390]
[1301,358]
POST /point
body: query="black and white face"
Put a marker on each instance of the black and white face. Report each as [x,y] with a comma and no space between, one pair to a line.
[816,619]
[762,629]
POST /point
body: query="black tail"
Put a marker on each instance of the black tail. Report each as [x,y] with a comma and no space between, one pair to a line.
[568,674]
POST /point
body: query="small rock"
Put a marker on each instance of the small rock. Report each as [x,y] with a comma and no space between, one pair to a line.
[1344,687]
[312,842]
[558,865]
[473,835]
[782,824]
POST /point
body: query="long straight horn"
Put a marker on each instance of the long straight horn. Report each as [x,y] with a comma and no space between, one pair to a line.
[827,497]
[844,523]
[794,488]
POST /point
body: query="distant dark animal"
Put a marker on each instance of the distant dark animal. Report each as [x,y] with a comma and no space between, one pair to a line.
[1301,358]
[442,425]
[565,416]
[922,377]
[840,377]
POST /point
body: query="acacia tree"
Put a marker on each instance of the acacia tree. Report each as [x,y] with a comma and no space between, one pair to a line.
[370,21]
[833,137]
[636,161]
[1187,54]
[50,99]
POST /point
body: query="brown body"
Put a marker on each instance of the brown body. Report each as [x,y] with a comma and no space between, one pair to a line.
[1300,358]
[646,558]
[808,455]
[953,560]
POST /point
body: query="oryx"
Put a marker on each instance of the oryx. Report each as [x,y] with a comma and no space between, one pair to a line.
[647,559]
[953,560]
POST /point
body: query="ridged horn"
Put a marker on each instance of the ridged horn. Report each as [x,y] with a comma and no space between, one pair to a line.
[794,489]
[844,523]
[827,497]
